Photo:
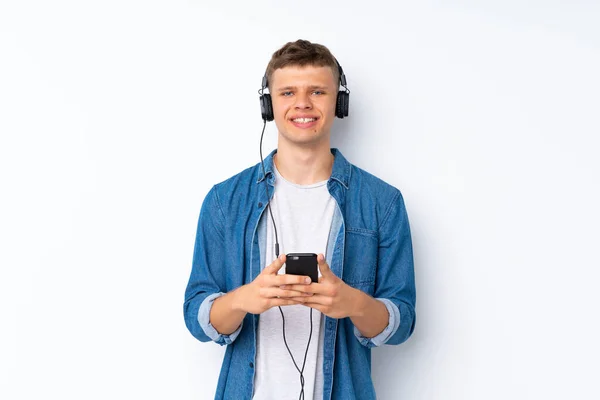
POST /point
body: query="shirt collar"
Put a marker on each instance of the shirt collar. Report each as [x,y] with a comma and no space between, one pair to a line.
[340,171]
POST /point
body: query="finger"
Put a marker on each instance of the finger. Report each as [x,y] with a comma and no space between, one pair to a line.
[281,302]
[315,299]
[288,279]
[303,288]
[318,307]
[298,299]
[323,266]
[275,265]
[271,292]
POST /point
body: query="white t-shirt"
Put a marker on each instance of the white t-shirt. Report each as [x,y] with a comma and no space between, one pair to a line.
[303,215]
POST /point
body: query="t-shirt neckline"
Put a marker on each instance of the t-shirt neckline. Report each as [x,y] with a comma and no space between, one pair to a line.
[309,186]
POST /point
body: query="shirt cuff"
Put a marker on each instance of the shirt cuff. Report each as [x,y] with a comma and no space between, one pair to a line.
[388,332]
[204,321]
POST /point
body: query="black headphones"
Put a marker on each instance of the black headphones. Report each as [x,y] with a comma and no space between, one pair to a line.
[341,105]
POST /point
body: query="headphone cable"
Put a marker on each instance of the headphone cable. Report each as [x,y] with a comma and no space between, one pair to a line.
[267,189]
[301,371]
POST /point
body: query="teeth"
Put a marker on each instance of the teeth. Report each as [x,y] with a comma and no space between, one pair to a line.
[304,120]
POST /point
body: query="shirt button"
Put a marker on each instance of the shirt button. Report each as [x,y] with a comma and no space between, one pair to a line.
[259,205]
[251,365]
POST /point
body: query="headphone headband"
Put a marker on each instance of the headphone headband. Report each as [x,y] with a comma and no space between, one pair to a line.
[341,80]
[342,76]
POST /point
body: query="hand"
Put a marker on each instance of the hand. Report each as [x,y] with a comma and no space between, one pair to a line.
[331,295]
[264,292]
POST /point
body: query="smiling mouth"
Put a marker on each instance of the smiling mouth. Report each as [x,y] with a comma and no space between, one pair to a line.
[304,120]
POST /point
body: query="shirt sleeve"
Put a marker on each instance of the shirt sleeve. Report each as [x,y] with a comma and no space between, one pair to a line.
[208,278]
[204,321]
[395,278]
[388,332]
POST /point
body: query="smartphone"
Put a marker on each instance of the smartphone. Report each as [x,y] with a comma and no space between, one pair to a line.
[302,264]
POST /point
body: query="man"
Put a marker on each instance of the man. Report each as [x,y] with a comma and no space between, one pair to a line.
[307,199]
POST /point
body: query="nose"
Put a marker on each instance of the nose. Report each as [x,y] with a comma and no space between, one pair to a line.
[303,101]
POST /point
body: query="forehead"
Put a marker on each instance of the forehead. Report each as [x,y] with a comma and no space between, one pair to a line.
[302,76]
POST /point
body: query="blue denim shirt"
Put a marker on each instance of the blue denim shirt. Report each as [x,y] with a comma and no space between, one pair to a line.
[369,247]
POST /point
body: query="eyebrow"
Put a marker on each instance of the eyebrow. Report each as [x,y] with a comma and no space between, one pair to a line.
[294,87]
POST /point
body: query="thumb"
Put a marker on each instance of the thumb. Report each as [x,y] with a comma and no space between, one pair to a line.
[275,265]
[323,266]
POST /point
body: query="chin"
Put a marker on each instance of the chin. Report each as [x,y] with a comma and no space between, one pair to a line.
[303,139]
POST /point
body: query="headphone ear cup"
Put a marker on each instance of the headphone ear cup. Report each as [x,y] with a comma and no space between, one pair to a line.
[266,107]
[338,105]
[342,104]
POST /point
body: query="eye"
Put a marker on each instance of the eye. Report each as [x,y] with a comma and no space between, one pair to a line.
[286,94]
[318,92]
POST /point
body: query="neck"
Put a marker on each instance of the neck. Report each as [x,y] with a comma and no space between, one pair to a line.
[304,165]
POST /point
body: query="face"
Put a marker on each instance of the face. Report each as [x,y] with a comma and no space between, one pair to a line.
[304,103]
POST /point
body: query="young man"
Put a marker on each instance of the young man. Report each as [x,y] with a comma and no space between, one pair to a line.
[238,294]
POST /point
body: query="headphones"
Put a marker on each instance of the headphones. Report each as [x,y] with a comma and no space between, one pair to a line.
[341,105]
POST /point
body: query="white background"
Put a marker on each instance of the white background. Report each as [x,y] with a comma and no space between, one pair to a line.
[116,118]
